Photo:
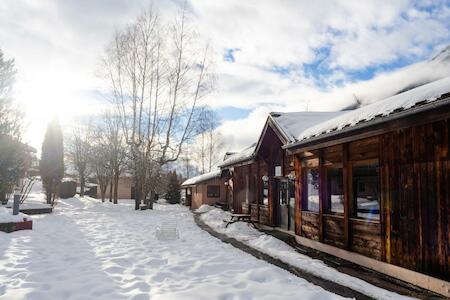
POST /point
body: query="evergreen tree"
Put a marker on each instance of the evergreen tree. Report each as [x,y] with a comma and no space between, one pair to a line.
[52,160]
[173,189]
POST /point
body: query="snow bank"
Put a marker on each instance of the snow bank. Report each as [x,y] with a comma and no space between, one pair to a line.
[6,216]
[204,208]
[95,250]
[278,249]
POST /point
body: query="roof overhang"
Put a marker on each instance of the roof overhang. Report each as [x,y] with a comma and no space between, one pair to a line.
[439,110]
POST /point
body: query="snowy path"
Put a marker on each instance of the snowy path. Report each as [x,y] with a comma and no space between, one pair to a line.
[90,250]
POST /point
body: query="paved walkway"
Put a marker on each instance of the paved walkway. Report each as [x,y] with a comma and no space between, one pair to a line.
[375,278]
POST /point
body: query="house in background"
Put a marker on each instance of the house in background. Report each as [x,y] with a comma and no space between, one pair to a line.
[208,188]
[125,188]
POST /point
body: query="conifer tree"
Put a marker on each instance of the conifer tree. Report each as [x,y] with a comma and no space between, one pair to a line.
[52,160]
[173,189]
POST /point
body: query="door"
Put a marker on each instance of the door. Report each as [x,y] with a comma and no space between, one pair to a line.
[188,196]
[282,204]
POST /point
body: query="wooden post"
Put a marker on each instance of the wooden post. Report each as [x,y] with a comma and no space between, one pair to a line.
[298,196]
[322,193]
[346,168]
[258,187]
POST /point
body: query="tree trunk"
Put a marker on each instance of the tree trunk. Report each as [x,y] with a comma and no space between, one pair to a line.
[82,184]
[111,183]
[116,185]
[103,191]
[150,200]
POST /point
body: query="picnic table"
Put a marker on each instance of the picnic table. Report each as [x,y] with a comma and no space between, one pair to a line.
[240,218]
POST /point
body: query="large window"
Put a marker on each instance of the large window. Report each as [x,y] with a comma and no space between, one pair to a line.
[366,191]
[312,190]
[335,190]
[213,191]
[265,192]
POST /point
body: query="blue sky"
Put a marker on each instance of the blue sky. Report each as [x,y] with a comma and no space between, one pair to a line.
[269,55]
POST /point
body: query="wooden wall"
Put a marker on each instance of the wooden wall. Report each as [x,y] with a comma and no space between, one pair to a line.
[200,195]
[414,226]
[416,190]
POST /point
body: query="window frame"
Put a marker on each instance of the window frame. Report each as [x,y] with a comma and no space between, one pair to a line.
[327,193]
[353,199]
[305,197]
[211,194]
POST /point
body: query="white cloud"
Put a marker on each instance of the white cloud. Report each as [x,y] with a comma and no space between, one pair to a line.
[57,45]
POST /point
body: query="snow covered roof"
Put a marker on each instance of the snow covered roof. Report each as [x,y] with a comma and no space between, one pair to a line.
[201,178]
[292,124]
[421,95]
[244,155]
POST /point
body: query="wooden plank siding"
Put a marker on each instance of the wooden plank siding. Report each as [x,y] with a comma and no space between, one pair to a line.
[414,179]
[413,165]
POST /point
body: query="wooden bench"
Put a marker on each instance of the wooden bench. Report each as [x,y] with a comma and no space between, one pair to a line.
[240,218]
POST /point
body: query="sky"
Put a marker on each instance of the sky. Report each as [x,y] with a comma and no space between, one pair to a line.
[269,55]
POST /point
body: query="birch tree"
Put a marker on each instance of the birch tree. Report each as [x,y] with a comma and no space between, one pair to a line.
[157,72]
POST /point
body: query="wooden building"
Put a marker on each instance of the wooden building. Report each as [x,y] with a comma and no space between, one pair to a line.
[208,188]
[370,185]
[125,189]
[260,178]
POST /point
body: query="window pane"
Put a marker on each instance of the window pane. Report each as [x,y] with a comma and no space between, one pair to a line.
[366,191]
[213,191]
[312,182]
[266,193]
[335,190]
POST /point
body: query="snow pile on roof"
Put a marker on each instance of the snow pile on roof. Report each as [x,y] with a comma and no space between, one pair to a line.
[292,124]
[6,216]
[280,250]
[241,156]
[201,178]
[420,95]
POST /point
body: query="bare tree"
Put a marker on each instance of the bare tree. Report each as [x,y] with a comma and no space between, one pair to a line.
[99,162]
[78,151]
[157,73]
[208,141]
[108,155]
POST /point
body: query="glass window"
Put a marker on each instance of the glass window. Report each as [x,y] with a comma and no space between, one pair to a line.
[366,191]
[291,193]
[266,192]
[335,190]
[312,190]
[213,191]
[283,193]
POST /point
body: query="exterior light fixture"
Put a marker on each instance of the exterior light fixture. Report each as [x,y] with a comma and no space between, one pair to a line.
[291,176]
[265,178]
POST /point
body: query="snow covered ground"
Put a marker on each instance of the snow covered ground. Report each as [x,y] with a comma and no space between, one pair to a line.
[6,216]
[268,244]
[92,250]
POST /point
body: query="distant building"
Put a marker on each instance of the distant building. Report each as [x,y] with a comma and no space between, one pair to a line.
[208,188]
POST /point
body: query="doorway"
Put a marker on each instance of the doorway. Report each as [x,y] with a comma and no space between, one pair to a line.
[281,201]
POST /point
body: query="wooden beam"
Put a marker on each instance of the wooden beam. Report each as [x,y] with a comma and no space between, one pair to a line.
[322,193]
[298,195]
[347,186]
